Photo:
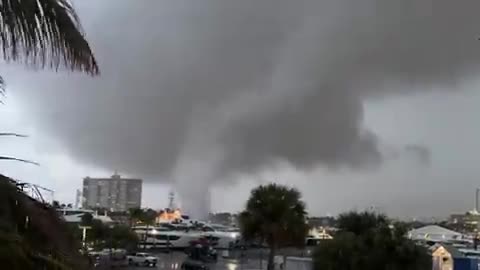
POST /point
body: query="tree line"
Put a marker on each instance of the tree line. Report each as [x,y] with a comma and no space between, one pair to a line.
[276,216]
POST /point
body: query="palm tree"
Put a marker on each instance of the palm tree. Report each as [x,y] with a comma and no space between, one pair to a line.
[9,134]
[149,216]
[44,33]
[146,217]
[361,222]
[135,215]
[274,215]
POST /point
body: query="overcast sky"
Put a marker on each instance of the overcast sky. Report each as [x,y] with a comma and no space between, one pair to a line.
[355,104]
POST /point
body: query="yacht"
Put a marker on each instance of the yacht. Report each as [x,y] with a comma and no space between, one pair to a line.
[72,215]
[222,236]
[180,233]
[315,236]
[164,237]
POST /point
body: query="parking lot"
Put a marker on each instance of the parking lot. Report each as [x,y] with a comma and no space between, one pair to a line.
[174,260]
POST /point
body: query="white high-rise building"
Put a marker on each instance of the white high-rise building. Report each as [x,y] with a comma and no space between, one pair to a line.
[114,193]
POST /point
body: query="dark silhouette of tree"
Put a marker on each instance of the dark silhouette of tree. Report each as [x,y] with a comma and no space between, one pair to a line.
[148,219]
[86,220]
[276,215]
[102,235]
[369,241]
[135,215]
[32,235]
[144,216]
[56,204]
[39,33]
[149,216]
[98,233]
[44,33]
[121,237]
[361,223]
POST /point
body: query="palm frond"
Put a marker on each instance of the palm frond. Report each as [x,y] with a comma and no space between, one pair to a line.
[2,86]
[13,134]
[44,33]
[2,89]
[19,159]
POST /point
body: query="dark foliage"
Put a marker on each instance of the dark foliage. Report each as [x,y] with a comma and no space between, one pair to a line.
[275,215]
[32,235]
[44,32]
[368,241]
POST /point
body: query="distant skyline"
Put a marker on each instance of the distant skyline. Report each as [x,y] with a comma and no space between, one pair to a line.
[355,104]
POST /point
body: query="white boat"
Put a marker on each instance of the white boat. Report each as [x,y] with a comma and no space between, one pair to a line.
[180,234]
[164,237]
[72,215]
[222,236]
[316,236]
[219,235]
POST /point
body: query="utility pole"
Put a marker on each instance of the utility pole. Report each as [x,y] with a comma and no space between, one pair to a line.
[84,234]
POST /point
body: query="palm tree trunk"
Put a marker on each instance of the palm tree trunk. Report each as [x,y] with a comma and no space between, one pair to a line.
[271,257]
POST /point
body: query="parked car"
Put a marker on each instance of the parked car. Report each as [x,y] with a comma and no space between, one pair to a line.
[118,258]
[108,258]
[142,258]
[201,250]
[190,264]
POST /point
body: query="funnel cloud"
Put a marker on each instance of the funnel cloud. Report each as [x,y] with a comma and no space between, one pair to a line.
[196,92]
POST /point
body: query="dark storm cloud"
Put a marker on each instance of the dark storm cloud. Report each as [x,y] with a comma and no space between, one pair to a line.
[415,154]
[418,152]
[232,86]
